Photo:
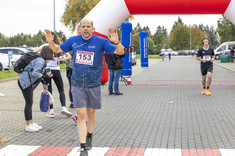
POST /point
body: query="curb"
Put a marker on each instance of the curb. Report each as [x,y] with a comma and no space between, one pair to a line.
[233,70]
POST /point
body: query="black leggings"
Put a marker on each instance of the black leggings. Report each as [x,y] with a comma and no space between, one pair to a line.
[69,75]
[59,84]
[28,97]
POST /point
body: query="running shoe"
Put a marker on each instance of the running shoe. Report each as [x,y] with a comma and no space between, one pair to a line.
[31,128]
[83,152]
[64,111]
[50,114]
[203,91]
[88,143]
[208,92]
[75,118]
[37,126]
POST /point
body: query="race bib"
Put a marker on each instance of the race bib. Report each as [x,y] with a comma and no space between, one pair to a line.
[207,57]
[85,57]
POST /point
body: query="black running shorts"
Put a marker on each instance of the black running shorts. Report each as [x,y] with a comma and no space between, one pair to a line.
[206,67]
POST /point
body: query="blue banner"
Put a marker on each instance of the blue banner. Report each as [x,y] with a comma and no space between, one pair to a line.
[144,49]
[126,40]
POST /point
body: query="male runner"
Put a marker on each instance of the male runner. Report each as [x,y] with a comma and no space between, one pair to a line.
[206,55]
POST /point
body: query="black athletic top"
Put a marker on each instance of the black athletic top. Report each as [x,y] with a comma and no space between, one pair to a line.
[206,54]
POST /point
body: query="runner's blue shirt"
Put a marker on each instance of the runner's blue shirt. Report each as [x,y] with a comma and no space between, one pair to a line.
[87,59]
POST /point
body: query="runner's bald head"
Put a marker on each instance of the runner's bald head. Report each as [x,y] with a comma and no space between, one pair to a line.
[86,21]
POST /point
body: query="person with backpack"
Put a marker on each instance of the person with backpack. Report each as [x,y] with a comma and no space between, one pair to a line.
[28,80]
[115,66]
[53,65]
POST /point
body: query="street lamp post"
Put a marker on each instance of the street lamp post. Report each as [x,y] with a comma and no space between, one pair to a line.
[190,37]
[54,15]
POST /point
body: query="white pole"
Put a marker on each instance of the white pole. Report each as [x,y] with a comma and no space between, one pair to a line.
[54,15]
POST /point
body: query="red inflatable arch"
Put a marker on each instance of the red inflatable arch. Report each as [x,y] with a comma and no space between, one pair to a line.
[111,13]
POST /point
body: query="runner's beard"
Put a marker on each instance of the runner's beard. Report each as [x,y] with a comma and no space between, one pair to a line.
[86,35]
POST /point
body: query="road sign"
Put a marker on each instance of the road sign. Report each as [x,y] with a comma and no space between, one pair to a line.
[10,55]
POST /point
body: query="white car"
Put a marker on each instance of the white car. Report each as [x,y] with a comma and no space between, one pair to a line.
[174,53]
[16,52]
[4,62]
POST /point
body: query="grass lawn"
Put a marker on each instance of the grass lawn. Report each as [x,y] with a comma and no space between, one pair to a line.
[5,74]
[150,56]
[63,66]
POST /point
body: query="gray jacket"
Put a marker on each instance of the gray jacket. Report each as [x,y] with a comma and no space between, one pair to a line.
[69,64]
[35,67]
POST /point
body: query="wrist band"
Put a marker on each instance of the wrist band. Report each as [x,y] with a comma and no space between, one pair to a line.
[115,43]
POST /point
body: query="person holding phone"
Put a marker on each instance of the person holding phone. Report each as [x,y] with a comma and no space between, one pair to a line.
[28,80]
[53,66]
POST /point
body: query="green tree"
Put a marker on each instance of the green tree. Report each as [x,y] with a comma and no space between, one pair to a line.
[3,40]
[176,22]
[27,39]
[62,36]
[159,39]
[135,37]
[180,37]
[38,39]
[226,30]
[150,46]
[75,10]
[17,40]
[210,33]
[196,37]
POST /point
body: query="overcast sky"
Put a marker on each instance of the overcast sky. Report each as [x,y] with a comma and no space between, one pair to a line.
[30,16]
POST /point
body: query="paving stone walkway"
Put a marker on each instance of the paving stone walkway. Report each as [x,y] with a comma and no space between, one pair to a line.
[162,113]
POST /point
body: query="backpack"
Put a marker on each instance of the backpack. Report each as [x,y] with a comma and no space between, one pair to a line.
[24,60]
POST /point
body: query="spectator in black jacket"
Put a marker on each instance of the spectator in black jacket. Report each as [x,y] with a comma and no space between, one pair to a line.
[115,66]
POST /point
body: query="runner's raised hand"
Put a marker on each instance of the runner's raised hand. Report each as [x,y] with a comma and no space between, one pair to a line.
[48,35]
[113,35]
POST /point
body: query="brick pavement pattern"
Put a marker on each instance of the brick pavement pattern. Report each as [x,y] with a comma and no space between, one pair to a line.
[162,109]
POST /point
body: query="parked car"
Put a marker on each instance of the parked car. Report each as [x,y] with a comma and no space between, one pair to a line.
[133,58]
[223,49]
[180,52]
[186,52]
[4,62]
[174,53]
[27,48]
[16,52]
